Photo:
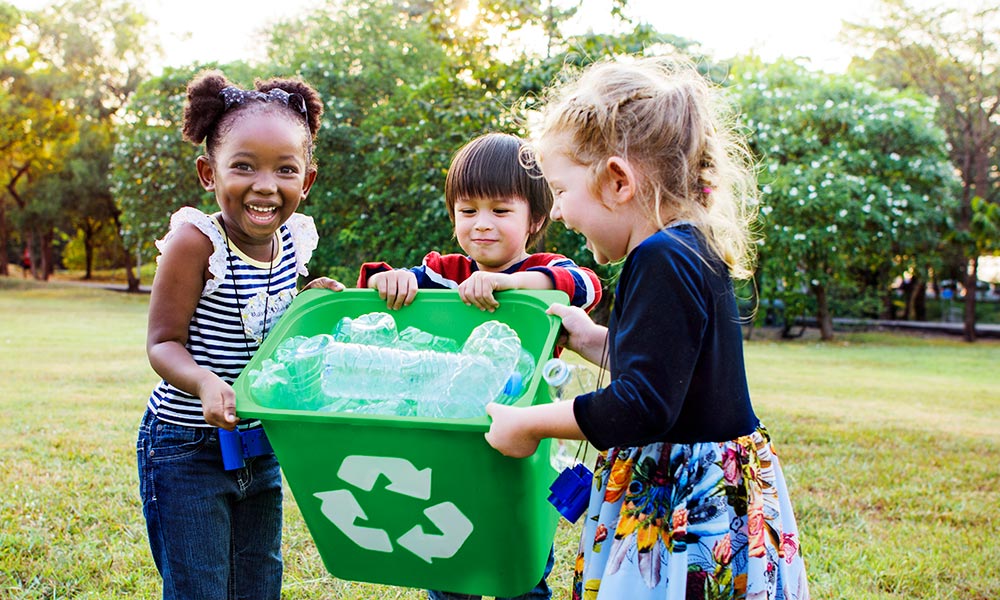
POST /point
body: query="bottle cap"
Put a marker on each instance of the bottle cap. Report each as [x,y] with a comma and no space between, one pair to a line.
[555,372]
[514,385]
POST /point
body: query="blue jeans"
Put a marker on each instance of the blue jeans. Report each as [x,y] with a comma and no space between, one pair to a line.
[539,592]
[214,534]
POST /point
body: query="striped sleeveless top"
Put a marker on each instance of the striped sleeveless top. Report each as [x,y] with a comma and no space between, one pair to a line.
[228,323]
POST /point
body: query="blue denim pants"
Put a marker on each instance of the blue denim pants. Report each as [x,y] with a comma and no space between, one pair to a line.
[214,534]
[539,592]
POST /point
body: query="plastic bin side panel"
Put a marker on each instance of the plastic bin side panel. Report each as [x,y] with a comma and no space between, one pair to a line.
[411,484]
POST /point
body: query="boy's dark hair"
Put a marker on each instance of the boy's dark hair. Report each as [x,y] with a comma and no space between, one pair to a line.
[209,115]
[490,166]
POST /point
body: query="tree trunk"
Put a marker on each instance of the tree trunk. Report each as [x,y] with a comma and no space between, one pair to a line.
[916,309]
[88,251]
[4,270]
[29,243]
[133,281]
[823,316]
[920,302]
[889,305]
[47,268]
[969,316]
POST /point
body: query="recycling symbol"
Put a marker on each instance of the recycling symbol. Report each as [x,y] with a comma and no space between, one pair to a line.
[344,511]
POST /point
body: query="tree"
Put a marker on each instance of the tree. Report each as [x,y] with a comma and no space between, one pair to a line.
[87,56]
[854,182]
[37,127]
[952,55]
[152,168]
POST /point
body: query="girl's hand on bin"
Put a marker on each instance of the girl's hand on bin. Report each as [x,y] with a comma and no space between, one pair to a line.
[218,402]
[324,283]
[510,431]
[579,333]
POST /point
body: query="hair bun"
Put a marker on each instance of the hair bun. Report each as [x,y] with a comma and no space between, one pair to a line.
[204,105]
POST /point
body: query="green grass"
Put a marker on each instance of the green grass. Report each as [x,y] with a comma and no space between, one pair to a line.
[890,445]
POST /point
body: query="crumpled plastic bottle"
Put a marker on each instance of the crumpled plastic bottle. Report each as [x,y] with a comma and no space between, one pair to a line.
[366,367]
[374,329]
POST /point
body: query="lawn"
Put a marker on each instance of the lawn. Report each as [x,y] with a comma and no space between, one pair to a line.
[890,444]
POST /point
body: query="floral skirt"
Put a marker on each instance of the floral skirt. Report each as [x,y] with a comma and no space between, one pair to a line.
[705,520]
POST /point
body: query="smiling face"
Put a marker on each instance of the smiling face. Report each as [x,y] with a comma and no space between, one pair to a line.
[581,209]
[259,173]
[494,231]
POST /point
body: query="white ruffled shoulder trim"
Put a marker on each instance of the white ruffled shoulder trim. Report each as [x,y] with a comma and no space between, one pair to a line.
[305,238]
[206,225]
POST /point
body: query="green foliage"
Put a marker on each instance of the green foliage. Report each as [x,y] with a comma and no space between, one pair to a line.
[856,186]
[153,167]
[69,68]
[399,107]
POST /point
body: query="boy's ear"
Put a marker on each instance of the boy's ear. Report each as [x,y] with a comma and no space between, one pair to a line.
[620,180]
[536,226]
[206,173]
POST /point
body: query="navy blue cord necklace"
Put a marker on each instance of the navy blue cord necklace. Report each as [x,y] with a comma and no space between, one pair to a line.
[236,291]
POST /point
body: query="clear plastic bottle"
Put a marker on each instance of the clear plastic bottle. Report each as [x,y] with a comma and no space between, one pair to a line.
[413,338]
[566,382]
[305,368]
[520,380]
[337,373]
[440,384]
[374,329]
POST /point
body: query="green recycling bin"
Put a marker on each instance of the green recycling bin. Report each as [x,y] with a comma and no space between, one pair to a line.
[411,501]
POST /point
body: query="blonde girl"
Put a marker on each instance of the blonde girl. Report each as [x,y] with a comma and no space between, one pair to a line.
[689,500]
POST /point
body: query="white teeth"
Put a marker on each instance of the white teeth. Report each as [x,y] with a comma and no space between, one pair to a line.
[262,209]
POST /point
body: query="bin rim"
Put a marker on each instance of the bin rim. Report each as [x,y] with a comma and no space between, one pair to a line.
[311,299]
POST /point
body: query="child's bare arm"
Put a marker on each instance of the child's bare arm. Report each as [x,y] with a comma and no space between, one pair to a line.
[180,277]
[516,431]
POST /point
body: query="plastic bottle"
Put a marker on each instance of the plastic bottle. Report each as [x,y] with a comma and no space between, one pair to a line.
[520,380]
[412,338]
[566,382]
[304,365]
[327,372]
[375,329]
[441,384]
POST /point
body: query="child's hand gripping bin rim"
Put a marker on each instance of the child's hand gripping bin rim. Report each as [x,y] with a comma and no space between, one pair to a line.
[504,500]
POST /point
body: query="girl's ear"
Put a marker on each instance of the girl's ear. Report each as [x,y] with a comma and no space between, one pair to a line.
[308,182]
[206,173]
[621,180]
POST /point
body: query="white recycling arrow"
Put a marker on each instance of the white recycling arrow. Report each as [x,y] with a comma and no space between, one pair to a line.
[363,471]
[343,510]
[455,529]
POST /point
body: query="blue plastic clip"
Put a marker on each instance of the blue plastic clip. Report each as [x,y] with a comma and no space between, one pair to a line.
[238,445]
[571,491]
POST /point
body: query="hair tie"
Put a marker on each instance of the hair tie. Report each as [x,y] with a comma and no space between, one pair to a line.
[706,190]
[234,96]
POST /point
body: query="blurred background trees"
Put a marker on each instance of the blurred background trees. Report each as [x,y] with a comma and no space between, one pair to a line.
[877,184]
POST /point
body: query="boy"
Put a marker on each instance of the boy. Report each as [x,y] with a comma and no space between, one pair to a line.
[499,209]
